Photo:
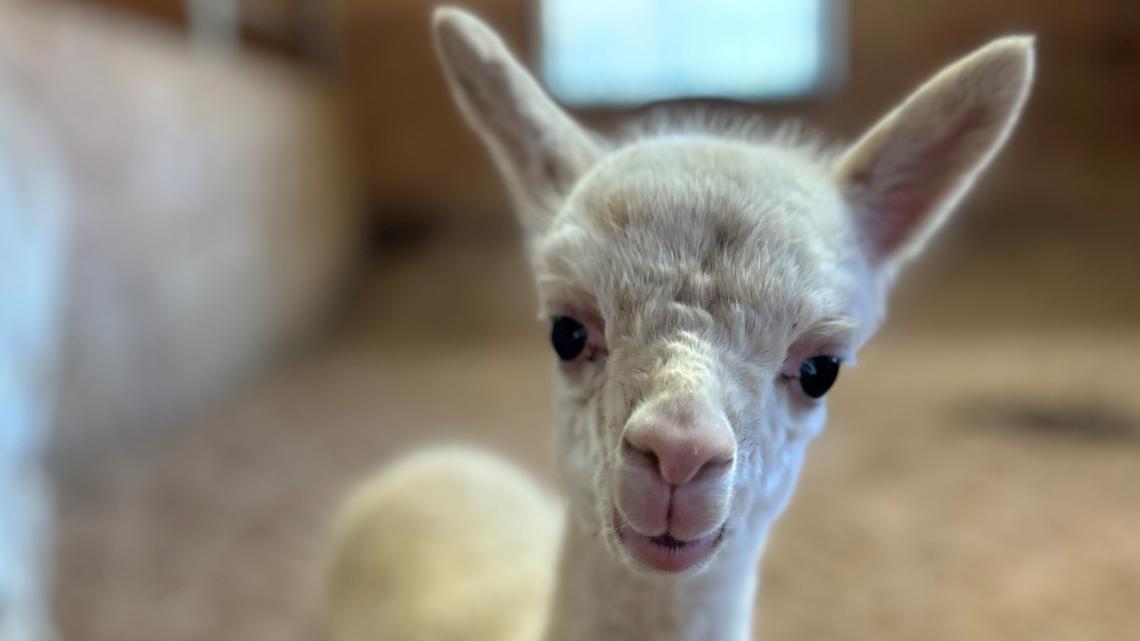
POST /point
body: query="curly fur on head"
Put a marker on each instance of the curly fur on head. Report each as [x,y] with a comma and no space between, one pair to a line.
[728,123]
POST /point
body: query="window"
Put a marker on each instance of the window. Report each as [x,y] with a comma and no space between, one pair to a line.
[613,52]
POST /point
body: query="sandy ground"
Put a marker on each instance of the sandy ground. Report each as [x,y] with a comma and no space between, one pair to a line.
[980,478]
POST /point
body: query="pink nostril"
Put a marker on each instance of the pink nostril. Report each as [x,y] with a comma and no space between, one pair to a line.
[680,454]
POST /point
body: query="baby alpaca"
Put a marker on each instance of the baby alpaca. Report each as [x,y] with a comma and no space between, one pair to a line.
[704,283]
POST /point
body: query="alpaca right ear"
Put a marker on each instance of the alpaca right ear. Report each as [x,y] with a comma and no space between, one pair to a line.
[906,174]
[539,149]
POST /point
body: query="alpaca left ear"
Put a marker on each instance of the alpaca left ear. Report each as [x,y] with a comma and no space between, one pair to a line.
[903,177]
[539,149]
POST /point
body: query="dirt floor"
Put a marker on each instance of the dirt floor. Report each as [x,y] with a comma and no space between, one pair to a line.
[980,477]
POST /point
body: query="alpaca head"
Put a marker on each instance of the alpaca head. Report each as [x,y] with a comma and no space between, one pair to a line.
[704,285]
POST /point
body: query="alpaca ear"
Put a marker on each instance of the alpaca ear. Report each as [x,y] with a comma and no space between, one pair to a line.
[903,177]
[539,149]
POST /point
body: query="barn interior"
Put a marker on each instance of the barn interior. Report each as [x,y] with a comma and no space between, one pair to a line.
[289,261]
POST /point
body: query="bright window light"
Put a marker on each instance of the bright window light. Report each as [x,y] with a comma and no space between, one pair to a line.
[599,52]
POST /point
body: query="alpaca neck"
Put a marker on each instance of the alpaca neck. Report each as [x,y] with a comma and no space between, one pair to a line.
[599,598]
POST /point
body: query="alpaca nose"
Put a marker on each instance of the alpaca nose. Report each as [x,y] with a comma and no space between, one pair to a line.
[679,453]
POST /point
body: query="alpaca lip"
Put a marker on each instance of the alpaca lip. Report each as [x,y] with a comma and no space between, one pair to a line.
[666,553]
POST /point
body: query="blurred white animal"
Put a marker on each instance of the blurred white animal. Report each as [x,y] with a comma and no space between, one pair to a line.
[216,214]
[704,282]
[32,248]
[211,220]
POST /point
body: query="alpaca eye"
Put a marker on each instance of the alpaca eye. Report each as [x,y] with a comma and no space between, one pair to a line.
[818,374]
[568,337]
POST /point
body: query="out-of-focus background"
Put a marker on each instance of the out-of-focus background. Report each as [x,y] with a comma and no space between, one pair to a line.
[286,260]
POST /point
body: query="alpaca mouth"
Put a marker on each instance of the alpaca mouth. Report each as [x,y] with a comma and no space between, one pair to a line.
[666,553]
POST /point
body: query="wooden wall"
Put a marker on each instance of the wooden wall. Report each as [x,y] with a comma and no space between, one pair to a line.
[1078,151]
[298,29]
[1075,154]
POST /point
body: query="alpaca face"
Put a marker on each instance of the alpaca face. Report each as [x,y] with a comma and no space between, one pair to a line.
[704,285]
[711,286]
